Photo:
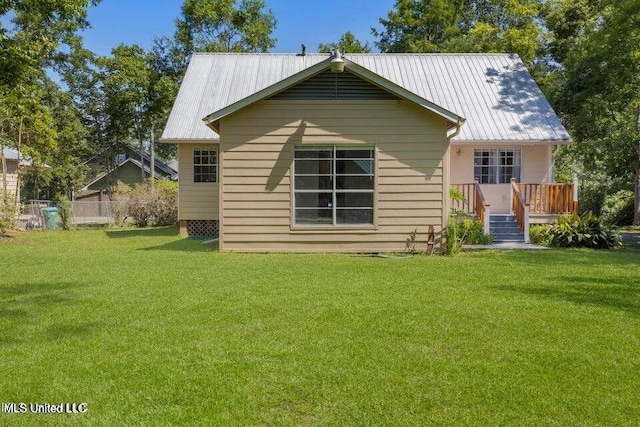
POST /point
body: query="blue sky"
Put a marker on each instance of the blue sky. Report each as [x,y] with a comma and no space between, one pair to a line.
[310,22]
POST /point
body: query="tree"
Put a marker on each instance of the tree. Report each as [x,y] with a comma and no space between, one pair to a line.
[131,93]
[33,41]
[599,94]
[462,26]
[417,26]
[225,26]
[347,43]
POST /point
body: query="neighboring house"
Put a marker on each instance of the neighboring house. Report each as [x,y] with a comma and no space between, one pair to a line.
[14,161]
[279,153]
[127,170]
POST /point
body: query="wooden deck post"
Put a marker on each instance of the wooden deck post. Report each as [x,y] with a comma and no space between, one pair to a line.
[575,192]
[513,180]
[487,219]
[183,228]
[526,224]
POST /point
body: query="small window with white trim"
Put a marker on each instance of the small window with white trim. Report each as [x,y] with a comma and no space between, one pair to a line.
[205,164]
[497,166]
[334,185]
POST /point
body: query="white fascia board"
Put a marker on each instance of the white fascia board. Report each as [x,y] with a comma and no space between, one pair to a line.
[512,142]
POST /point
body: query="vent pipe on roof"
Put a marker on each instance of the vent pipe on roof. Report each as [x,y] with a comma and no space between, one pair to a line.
[337,63]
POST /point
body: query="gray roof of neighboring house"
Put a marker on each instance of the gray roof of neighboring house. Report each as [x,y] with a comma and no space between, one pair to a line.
[134,151]
[136,163]
[493,92]
[11,154]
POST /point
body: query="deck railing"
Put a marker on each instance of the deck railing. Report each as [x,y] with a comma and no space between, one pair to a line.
[473,202]
[550,198]
[520,209]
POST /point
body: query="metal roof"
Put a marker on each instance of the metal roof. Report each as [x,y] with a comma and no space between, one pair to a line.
[493,92]
[129,160]
[11,154]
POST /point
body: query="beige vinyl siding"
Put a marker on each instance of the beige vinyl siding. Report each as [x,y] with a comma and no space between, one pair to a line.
[12,177]
[535,166]
[257,158]
[196,200]
[535,169]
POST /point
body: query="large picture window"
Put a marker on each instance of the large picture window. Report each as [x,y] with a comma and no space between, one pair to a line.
[205,165]
[334,185]
[497,166]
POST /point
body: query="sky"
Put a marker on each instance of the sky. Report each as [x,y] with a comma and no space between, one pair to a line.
[303,21]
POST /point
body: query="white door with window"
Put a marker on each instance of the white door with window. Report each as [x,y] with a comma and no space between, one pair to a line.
[494,168]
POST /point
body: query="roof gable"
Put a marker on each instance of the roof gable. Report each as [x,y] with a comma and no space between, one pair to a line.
[212,120]
[128,163]
[134,153]
[334,86]
[493,92]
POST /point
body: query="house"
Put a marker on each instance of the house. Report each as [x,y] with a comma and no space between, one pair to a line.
[279,153]
[120,164]
[14,161]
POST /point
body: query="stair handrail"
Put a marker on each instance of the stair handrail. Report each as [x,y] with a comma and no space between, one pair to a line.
[520,209]
[481,207]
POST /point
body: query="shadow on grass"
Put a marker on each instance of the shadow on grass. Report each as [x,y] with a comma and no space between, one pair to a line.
[62,332]
[189,244]
[572,257]
[142,232]
[185,245]
[618,294]
[28,304]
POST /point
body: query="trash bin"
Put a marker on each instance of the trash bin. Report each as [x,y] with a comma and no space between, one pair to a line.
[50,218]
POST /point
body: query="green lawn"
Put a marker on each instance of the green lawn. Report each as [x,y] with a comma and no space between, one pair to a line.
[150,329]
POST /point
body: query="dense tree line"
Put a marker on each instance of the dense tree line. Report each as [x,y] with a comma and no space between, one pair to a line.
[584,54]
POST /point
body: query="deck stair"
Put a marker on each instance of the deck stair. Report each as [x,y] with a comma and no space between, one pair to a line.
[505,229]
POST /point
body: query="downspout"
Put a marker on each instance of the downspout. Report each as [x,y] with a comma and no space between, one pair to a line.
[447,209]
[455,133]
[551,173]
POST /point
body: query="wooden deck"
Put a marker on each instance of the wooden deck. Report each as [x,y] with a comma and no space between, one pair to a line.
[530,203]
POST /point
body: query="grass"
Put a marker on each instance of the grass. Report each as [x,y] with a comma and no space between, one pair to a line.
[152,329]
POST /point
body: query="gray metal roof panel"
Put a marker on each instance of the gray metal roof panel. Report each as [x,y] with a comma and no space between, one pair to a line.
[11,154]
[494,92]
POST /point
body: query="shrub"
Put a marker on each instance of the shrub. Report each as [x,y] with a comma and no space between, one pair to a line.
[472,232]
[453,241]
[464,230]
[64,211]
[617,208]
[591,195]
[8,212]
[147,205]
[165,204]
[539,235]
[587,231]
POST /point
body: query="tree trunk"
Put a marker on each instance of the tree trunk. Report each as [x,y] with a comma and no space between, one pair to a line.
[18,174]
[141,155]
[636,206]
[636,176]
[4,170]
[153,159]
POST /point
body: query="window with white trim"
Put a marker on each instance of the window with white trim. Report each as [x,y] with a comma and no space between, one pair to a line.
[205,164]
[497,166]
[333,185]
